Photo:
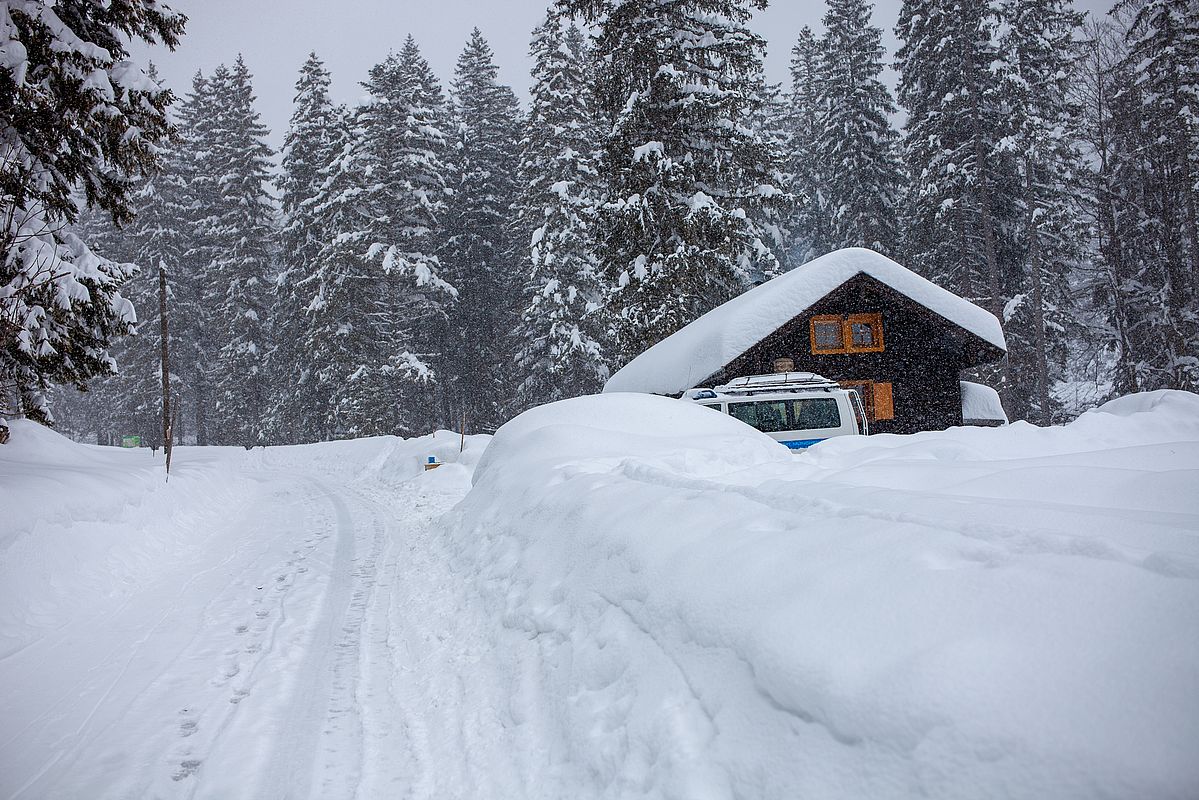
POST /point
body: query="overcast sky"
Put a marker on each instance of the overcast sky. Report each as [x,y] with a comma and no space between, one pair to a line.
[275,36]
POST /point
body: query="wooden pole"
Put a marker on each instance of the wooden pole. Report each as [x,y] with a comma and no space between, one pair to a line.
[167,419]
[462,444]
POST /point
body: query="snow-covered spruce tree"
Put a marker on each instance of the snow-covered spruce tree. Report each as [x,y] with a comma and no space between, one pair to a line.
[960,213]
[682,169]
[771,124]
[309,147]
[560,330]
[480,250]
[241,227]
[375,287]
[1162,61]
[810,219]
[1036,53]
[949,89]
[1096,77]
[130,402]
[854,140]
[197,286]
[420,192]
[112,403]
[1125,191]
[80,121]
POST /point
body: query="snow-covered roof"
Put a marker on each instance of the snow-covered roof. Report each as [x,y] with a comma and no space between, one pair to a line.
[704,347]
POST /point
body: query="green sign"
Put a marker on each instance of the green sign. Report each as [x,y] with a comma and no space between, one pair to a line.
[131,441]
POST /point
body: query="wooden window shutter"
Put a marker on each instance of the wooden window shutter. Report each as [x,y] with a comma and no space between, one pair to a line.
[884,405]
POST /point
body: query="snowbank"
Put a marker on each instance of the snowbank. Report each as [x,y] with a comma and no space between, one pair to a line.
[385,459]
[693,612]
[84,526]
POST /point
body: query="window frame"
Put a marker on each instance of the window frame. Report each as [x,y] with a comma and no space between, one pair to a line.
[825,319]
[873,319]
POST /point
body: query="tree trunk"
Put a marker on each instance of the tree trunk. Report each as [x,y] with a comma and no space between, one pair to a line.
[167,418]
[1040,341]
[988,230]
[1188,187]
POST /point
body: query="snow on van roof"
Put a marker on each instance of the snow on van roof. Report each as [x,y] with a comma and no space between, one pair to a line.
[704,347]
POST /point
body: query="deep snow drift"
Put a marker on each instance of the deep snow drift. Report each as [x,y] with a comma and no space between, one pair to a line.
[638,598]
[974,613]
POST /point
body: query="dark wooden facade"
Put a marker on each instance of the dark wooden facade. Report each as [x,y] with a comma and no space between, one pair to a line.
[922,357]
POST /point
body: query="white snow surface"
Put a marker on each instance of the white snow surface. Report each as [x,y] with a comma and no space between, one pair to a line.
[697,351]
[975,613]
[628,596]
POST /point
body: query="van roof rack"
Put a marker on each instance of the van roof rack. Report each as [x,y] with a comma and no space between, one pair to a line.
[779,381]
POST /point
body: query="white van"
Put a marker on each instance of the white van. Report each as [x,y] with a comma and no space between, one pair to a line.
[797,409]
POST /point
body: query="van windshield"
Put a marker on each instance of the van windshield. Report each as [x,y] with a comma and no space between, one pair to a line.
[772,416]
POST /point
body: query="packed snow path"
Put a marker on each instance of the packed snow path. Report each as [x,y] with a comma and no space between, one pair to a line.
[308,620]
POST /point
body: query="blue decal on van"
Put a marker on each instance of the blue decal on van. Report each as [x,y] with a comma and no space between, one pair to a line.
[800,444]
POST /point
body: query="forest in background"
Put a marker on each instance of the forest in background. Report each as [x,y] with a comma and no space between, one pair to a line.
[429,256]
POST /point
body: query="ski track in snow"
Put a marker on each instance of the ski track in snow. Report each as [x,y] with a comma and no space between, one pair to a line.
[318,633]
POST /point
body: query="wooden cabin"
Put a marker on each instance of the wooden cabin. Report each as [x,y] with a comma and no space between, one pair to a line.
[854,316]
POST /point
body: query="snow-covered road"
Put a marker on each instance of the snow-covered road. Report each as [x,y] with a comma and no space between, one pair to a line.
[296,638]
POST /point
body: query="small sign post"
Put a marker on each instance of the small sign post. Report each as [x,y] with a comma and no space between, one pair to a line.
[131,440]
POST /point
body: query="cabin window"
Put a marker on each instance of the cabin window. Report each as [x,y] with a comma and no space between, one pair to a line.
[827,335]
[855,333]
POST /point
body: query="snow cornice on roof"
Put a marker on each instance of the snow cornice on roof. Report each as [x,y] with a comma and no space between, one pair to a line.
[704,347]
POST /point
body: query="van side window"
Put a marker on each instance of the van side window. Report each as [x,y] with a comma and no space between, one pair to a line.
[768,416]
[773,416]
[819,412]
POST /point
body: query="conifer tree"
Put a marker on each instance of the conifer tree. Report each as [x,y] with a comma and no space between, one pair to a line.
[1037,50]
[810,220]
[854,140]
[1162,62]
[682,168]
[480,252]
[80,122]
[771,125]
[128,402]
[241,229]
[560,329]
[420,192]
[960,213]
[309,147]
[949,89]
[199,127]
[375,283]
